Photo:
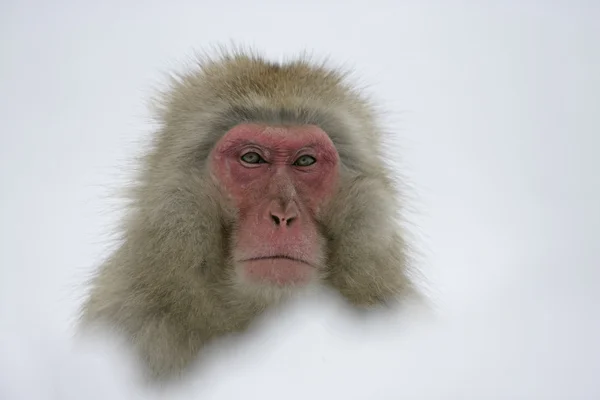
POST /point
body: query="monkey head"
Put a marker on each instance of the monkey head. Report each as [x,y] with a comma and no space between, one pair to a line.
[262,179]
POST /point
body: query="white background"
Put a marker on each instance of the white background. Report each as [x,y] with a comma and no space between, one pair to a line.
[495,114]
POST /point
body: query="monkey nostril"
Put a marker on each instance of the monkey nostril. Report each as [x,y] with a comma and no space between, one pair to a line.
[282,221]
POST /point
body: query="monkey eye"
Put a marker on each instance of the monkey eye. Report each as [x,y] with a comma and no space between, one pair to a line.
[305,161]
[252,158]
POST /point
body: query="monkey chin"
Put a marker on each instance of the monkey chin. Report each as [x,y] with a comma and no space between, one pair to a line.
[274,279]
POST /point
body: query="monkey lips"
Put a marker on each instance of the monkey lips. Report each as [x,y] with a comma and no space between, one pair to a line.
[279,270]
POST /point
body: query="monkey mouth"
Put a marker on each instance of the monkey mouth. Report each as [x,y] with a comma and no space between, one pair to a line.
[279,257]
[279,269]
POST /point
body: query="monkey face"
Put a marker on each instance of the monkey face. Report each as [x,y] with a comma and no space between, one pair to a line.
[277,178]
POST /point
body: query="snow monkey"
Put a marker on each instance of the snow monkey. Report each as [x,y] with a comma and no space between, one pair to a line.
[262,179]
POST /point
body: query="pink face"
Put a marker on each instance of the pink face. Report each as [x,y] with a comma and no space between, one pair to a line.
[278,178]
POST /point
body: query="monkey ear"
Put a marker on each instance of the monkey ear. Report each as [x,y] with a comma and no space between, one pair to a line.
[368,260]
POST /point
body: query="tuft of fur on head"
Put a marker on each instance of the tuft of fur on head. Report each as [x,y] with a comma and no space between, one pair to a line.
[170,285]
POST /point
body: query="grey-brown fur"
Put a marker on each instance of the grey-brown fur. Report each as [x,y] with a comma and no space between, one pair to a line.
[168,286]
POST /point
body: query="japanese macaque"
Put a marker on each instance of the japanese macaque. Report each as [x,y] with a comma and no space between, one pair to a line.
[263,179]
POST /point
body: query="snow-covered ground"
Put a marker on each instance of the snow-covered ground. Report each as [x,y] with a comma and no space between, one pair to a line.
[496,120]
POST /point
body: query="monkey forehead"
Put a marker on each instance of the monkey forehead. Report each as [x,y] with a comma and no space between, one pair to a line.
[280,137]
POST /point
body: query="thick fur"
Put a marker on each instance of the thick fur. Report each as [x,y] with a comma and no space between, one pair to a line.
[169,286]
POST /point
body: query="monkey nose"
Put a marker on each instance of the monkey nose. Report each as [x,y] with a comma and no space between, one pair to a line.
[283,216]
